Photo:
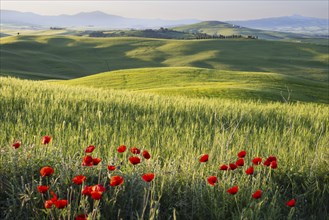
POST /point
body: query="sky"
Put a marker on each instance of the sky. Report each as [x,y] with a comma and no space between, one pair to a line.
[183,9]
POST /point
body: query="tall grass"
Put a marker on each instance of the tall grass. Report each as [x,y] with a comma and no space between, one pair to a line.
[176,131]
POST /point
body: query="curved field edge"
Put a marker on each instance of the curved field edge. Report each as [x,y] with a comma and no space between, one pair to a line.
[176,131]
[209,83]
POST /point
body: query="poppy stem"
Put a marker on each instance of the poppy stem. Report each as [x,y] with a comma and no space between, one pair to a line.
[236,201]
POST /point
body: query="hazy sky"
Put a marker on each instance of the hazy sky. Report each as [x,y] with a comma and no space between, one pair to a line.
[203,10]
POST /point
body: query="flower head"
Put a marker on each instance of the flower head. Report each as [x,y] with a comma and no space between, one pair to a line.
[46,139]
[233,190]
[148,177]
[87,161]
[122,148]
[96,160]
[42,189]
[135,150]
[96,195]
[79,179]
[146,154]
[240,162]
[223,167]
[116,180]
[87,190]
[257,194]
[204,158]
[46,171]
[257,160]
[291,203]
[250,170]
[90,149]
[274,164]
[134,160]
[242,154]
[81,217]
[233,166]
[212,180]
[17,144]
[111,167]
[48,204]
[60,204]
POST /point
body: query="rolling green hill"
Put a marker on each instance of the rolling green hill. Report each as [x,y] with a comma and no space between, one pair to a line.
[217,27]
[198,82]
[67,57]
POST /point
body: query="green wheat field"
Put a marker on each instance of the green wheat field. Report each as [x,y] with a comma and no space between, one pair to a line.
[177,99]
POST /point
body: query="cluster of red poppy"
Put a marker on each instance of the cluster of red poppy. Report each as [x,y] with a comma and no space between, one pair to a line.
[45,140]
[271,161]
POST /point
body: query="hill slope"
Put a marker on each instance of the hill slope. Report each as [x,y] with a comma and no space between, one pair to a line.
[64,57]
[197,82]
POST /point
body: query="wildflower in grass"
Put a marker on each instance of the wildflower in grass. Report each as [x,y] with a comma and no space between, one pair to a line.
[257,160]
[87,161]
[122,148]
[250,170]
[79,179]
[134,160]
[204,158]
[223,167]
[60,204]
[242,154]
[135,150]
[274,164]
[96,195]
[98,187]
[233,166]
[257,194]
[240,162]
[46,139]
[233,190]
[87,190]
[291,203]
[90,149]
[46,171]
[116,180]
[96,160]
[54,198]
[269,160]
[42,189]
[81,217]
[48,204]
[148,177]
[17,144]
[146,154]
[212,180]
[111,167]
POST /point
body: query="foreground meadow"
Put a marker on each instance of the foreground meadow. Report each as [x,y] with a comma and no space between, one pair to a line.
[177,132]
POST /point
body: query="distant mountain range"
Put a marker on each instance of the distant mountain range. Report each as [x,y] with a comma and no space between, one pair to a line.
[96,19]
[295,23]
[101,20]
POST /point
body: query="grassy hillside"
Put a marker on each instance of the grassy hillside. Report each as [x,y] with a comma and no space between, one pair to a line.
[67,57]
[198,82]
[217,27]
[176,131]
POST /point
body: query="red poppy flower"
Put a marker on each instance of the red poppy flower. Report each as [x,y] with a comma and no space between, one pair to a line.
[90,149]
[257,194]
[134,160]
[146,154]
[233,166]
[98,187]
[269,160]
[116,180]
[291,203]
[43,189]
[212,180]
[111,167]
[250,170]
[242,154]
[135,150]
[54,198]
[81,217]
[148,177]
[274,164]
[96,195]
[48,204]
[233,190]
[240,162]
[46,139]
[257,160]
[60,204]
[87,190]
[204,158]
[96,160]
[87,161]
[46,171]
[17,144]
[122,148]
[223,167]
[79,179]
